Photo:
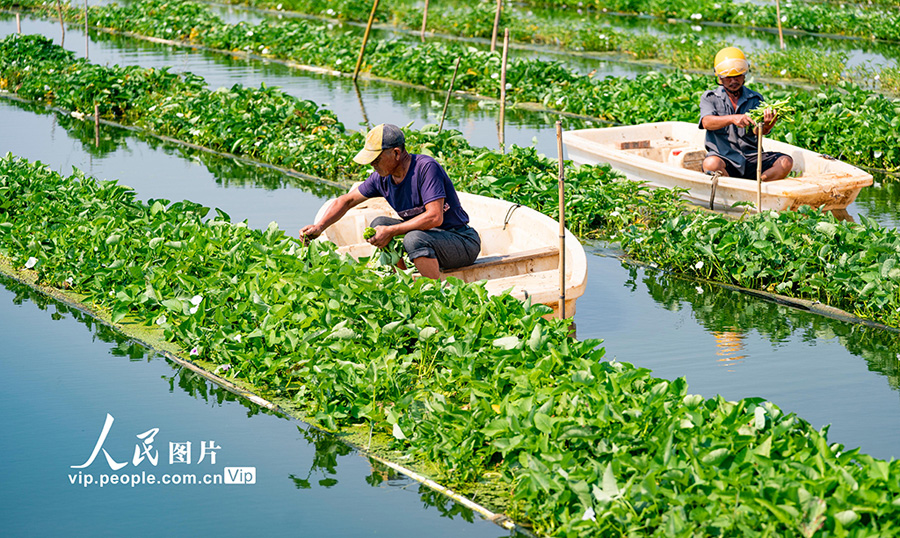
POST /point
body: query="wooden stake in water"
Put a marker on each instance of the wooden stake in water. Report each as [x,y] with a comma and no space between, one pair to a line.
[449,91]
[496,25]
[96,125]
[778,18]
[62,40]
[503,91]
[362,49]
[759,137]
[18,24]
[424,21]
[562,224]
[86,37]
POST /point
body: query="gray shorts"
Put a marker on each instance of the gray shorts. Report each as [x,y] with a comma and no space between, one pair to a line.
[452,248]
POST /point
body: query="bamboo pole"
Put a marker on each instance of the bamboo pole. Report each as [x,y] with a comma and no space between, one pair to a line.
[778,18]
[449,92]
[18,24]
[496,25]
[365,40]
[96,125]
[562,224]
[62,40]
[759,137]
[503,92]
[86,37]
[424,21]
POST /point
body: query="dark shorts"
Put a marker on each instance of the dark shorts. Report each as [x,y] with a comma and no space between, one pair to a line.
[452,248]
[769,158]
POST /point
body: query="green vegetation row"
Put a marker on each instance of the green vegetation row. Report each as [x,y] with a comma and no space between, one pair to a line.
[850,20]
[584,34]
[798,254]
[482,386]
[845,121]
[591,32]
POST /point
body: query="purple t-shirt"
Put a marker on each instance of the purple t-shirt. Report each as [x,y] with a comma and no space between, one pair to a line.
[425,181]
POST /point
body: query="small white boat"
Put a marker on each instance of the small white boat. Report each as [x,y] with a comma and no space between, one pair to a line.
[669,154]
[519,248]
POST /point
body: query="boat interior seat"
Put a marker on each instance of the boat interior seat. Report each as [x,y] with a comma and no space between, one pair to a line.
[504,265]
[532,254]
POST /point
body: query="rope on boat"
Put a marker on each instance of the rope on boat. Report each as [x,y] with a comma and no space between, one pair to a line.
[509,214]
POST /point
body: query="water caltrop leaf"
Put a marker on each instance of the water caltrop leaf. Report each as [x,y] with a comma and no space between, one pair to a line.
[507,342]
[764,448]
[173,304]
[427,333]
[398,433]
[609,488]
[716,456]
[759,418]
[847,517]
[542,422]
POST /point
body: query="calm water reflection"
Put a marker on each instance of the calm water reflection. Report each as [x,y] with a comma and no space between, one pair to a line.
[61,381]
[724,342]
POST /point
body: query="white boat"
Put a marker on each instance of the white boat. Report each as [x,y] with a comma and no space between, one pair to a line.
[669,154]
[519,248]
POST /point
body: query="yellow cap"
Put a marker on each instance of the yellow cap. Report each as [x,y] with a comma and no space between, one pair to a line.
[381,137]
[731,62]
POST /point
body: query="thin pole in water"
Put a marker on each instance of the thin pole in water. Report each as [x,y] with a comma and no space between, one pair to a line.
[449,91]
[759,137]
[86,37]
[362,49]
[62,40]
[503,92]
[562,224]
[424,21]
[96,125]
[496,25]
[778,18]
[18,24]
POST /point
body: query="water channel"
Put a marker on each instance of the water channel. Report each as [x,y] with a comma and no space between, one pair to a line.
[63,380]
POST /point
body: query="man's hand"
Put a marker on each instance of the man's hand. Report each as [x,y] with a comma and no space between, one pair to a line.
[382,237]
[741,120]
[310,232]
[770,118]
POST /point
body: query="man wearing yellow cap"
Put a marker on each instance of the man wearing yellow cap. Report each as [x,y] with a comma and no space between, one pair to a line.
[731,141]
[436,229]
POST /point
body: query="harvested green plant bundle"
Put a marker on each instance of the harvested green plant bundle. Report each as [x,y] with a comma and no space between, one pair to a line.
[390,255]
[783,111]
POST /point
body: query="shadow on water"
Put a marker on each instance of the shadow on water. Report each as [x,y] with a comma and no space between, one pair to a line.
[730,315]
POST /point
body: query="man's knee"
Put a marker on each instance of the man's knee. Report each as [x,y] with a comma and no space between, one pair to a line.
[418,243]
[713,164]
[382,221]
[786,162]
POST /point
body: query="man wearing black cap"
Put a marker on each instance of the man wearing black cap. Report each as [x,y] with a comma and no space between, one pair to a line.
[436,228]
